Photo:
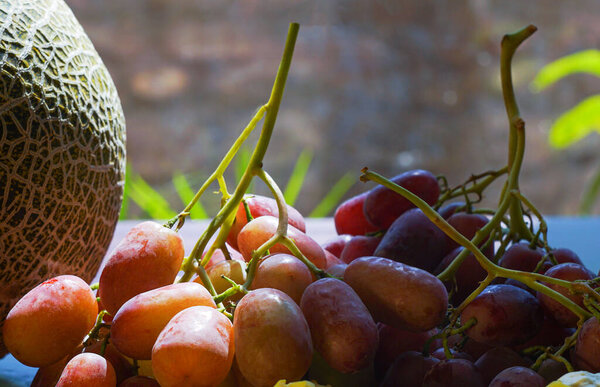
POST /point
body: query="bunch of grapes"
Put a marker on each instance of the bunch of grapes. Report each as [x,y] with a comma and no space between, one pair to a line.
[422,287]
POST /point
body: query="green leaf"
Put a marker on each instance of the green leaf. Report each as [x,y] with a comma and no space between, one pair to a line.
[580,62]
[297,177]
[124,214]
[186,194]
[576,123]
[334,196]
[149,200]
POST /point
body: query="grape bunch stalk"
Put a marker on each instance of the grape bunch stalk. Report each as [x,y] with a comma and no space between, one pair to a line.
[420,288]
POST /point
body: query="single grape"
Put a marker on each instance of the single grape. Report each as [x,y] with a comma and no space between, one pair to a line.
[195,348]
[260,230]
[149,257]
[123,369]
[342,329]
[551,370]
[88,369]
[413,240]
[408,370]
[450,209]
[467,225]
[505,315]
[498,359]
[283,272]
[394,341]
[382,205]
[50,321]
[337,244]
[520,256]
[261,206]
[518,377]
[349,217]
[586,355]
[399,295]
[140,320]
[359,246]
[453,373]
[272,338]
[568,272]
[564,255]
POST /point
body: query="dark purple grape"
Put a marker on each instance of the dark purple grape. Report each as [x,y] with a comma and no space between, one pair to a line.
[342,329]
[397,294]
[518,377]
[394,341]
[382,205]
[564,255]
[467,225]
[408,370]
[551,370]
[413,240]
[569,272]
[498,359]
[349,217]
[359,246]
[586,355]
[551,334]
[505,314]
[522,257]
[450,209]
[453,373]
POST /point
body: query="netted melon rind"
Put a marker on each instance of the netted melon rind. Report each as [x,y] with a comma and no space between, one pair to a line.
[62,149]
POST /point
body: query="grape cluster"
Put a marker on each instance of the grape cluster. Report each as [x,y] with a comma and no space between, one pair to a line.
[421,287]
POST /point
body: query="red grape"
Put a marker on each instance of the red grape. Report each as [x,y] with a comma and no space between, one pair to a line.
[342,329]
[149,257]
[505,314]
[50,321]
[382,205]
[397,294]
[413,240]
[349,217]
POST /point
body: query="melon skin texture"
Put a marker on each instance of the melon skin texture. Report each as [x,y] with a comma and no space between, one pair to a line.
[62,149]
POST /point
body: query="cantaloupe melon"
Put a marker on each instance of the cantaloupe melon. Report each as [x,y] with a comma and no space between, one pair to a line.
[62,149]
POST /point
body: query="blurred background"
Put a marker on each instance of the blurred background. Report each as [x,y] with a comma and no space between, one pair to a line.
[385,84]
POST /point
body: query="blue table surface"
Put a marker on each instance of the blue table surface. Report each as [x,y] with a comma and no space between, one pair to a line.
[580,234]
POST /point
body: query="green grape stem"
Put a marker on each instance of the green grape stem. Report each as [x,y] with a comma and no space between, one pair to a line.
[256,159]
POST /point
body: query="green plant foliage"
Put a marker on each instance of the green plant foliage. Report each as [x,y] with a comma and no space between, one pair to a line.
[186,194]
[576,123]
[149,200]
[297,177]
[579,121]
[580,62]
